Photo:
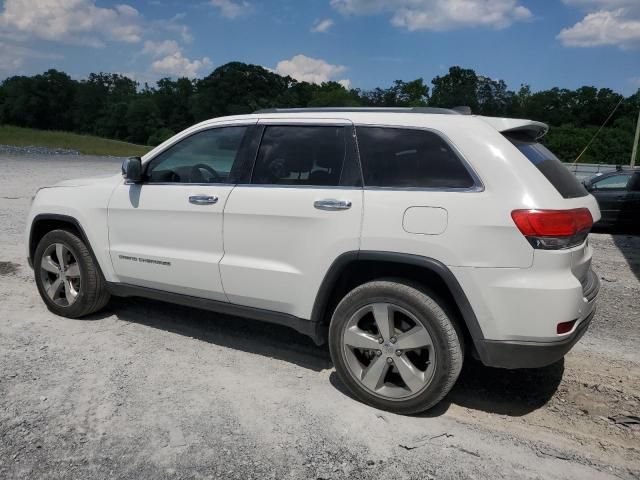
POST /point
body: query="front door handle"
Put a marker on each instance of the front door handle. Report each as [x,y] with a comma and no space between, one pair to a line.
[332,204]
[203,199]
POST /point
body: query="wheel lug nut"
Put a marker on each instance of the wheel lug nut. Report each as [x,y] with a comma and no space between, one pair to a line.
[378,352]
[394,339]
[398,352]
[380,340]
[389,360]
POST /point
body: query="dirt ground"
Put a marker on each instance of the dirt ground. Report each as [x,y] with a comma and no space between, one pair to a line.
[149,390]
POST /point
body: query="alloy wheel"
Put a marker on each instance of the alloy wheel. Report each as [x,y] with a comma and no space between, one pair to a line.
[60,274]
[389,351]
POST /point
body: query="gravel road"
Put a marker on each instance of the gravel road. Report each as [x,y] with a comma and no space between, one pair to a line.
[148,390]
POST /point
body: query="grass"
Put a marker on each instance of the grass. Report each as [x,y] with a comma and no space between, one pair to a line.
[85,144]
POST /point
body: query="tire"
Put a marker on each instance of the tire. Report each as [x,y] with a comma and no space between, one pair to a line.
[417,317]
[80,276]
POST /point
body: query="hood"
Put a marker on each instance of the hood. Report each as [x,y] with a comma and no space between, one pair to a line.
[88,181]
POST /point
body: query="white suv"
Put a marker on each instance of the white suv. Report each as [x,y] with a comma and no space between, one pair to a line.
[406,238]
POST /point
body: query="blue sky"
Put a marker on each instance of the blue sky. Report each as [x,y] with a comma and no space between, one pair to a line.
[363,43]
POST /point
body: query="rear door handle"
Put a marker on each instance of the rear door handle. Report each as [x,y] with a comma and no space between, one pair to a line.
[203,199]
[331,204]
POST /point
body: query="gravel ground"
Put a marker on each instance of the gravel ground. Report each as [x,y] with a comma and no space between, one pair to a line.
[34,150]
[148,390]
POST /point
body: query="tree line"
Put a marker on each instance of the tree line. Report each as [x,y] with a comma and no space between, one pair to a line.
[114,106]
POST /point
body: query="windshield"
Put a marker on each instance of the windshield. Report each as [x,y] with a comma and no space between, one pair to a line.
[548,164]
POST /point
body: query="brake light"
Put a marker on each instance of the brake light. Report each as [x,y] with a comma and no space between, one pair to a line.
[554,229]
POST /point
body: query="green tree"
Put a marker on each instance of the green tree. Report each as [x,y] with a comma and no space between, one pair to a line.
[459,87]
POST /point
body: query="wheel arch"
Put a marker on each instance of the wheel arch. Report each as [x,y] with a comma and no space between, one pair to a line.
[354,268]
[46,222]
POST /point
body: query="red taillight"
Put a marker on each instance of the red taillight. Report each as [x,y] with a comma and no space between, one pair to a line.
[553,229]
[565,327]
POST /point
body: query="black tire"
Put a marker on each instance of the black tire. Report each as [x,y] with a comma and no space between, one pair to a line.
[431,312]
[92,295]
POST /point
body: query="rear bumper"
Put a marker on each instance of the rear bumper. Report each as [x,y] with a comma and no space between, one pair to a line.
[510,354]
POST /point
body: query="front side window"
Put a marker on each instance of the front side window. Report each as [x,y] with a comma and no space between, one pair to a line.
[614,182]
[398,157]
[300,155]
[204,157]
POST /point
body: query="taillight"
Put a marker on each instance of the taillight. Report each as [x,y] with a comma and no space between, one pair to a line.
[554,229]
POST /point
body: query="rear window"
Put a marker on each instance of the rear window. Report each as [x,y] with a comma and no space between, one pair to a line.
[405,158]
[558,175]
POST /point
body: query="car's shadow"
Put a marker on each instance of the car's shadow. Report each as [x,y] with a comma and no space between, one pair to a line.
[505,392]
[625,244]
[626,240]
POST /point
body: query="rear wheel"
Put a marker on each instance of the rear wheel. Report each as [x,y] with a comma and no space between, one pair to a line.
[394,346]
[67,277]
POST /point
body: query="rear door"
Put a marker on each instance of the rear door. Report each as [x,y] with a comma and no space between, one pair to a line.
[301,210]
[612,194]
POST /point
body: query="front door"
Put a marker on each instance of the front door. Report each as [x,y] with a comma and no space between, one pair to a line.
[166,233]
[611,193]
[302,209]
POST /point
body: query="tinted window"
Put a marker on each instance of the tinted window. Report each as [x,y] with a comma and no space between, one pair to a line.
[300,155]
[614,182]
[634,183]
[204,157]
[548,164]
[396,157]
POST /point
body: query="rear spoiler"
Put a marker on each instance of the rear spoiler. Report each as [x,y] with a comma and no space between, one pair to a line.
[530,128]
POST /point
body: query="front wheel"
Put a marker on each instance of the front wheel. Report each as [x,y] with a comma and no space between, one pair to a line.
[67,276]
[394,346]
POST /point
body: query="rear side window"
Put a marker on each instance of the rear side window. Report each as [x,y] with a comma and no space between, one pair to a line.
[558,175]
[300,155]
[399,157]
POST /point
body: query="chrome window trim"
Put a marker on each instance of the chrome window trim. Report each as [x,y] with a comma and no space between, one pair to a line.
[477,186]
[311,187]
[184,183]
[472,189]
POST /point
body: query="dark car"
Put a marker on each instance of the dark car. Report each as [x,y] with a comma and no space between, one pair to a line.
[618,194]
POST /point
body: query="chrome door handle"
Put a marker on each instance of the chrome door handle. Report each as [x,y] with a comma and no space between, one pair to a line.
[203,199]
[332,205]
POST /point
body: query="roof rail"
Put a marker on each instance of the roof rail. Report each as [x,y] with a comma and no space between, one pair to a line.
[431,110]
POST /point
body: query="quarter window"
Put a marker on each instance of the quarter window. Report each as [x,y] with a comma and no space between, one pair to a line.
[300,155]
[397,157]
[204,157]
[614,182]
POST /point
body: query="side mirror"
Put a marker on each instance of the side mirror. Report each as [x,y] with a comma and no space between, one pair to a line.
[132,169]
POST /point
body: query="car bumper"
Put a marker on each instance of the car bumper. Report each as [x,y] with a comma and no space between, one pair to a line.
[510,354]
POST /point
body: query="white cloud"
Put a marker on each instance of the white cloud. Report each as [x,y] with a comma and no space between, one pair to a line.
[606,23]
[231,8]
[70,21]
[177,65]
[346,83]
[174,24]
[169,59]
[439,15]
[159,49]
[321,26]
[307,69]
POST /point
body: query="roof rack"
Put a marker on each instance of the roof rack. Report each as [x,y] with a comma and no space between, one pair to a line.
[431,110]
